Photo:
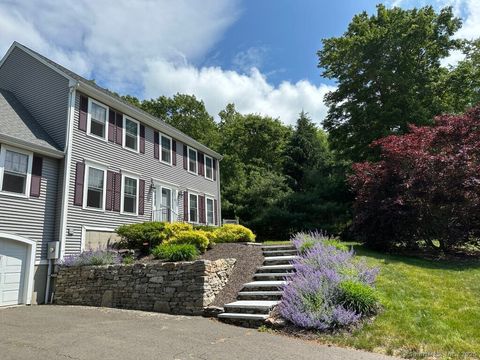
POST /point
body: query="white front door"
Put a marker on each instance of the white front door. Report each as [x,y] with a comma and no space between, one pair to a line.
[163,204]
[13,256]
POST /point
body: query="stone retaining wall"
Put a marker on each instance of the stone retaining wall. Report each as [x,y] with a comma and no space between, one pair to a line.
[176,288]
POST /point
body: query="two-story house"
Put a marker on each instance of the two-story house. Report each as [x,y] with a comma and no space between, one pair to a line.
[76,162]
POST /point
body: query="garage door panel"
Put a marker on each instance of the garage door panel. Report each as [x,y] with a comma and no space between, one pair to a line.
[13,257]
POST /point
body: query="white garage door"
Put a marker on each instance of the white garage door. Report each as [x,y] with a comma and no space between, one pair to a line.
[13,255]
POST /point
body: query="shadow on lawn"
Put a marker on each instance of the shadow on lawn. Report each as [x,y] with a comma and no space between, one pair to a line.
[456,264]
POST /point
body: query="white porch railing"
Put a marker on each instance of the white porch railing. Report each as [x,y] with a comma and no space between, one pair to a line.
[164,214]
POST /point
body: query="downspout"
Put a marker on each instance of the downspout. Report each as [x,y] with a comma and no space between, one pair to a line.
[66,182]
[219,210]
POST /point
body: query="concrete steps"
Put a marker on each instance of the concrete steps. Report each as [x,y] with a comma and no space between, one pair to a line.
[258,298]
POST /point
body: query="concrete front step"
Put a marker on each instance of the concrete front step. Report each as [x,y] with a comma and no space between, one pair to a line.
[251,306]
[275,268]
[278,247]
[264,285]
[279,252]
[260,295]
[246,320]
[279,260]
[272,276]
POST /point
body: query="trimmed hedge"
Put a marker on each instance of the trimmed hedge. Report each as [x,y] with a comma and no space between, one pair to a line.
[135,235]
[233,233]
[198,238]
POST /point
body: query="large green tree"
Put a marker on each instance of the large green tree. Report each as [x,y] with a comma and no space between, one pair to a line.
[389,74]
[186,113]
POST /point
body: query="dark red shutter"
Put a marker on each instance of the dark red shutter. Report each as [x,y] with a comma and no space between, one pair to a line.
[142,139]
[117,190]
[79,180]
[201,161]
[141,197]
[36,181]
[215,209]
[185,157]
[82,120]
[174,152]
[119,130]
[111,126]
[109,195]
[214,169]
[202,209]
[156,145]
[185,206]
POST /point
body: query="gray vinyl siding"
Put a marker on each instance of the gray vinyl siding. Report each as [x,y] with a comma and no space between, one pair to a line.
[118,159]
[33,218]
[41,90]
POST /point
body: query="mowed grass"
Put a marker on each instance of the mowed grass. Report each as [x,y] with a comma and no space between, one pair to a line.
[276,242]
[431,309]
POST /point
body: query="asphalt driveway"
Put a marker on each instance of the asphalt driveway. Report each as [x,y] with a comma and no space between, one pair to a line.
[67,332]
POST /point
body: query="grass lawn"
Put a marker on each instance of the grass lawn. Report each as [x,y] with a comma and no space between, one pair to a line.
[431,309]
[277,242]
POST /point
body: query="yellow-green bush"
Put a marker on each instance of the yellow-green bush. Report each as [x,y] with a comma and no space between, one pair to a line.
[171,230]
[233,233]
[198,238]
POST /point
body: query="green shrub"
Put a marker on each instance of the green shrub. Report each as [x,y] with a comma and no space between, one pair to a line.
[198,238]
[336,243]
[175,252]
[207,228]
[135,235]
[358,297]
[233,233]
[173,229]
[306,245]
[128,260]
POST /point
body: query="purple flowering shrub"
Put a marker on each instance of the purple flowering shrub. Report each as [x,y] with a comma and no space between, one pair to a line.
[316,295]
[92,257]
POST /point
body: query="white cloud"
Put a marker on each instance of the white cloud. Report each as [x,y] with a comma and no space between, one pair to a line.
[251,92]
[146,47]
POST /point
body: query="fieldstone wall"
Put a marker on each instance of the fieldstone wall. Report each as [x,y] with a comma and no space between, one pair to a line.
[176,288]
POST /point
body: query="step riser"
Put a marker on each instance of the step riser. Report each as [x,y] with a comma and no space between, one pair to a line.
[243,323]
[242,310]
[280,253]
[259,297]
[278,247]
[277,262]
[266,271]
[267,277]
[263,288]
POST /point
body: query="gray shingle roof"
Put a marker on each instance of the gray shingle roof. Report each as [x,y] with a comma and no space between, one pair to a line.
[16,122]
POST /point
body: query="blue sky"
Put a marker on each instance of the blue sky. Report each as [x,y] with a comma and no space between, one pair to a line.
[258,54]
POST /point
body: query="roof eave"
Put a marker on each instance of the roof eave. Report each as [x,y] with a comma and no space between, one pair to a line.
[38,149]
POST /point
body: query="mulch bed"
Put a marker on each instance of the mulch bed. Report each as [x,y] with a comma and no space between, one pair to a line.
[248,257]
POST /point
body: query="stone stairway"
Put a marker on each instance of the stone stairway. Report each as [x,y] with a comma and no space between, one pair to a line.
[258,298]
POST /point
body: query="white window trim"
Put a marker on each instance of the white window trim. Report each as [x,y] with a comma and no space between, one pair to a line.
[3,153]
[86,228]
[205,166]
[89,165]
[198,208]
[188,160]
[206,209]
[122,193]
[124,135]
[89,119]
[171,149]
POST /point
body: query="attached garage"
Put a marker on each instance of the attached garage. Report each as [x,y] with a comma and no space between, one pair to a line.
[17,256]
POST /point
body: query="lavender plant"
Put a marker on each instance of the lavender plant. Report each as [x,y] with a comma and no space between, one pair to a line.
[315,298]
[92,257]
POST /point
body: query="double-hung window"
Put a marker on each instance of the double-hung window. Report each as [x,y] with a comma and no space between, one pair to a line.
[95,188]
[166,156]
[97,119]
[193,208]
[210,212]
[192,161]
[15,170]
[131,138]
[208,167]
[130,195]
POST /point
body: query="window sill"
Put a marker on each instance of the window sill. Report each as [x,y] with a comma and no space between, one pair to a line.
[166,163]
[93,209]
[12,194]
[93,136]
[131,150]
[128,214]
[193,173]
